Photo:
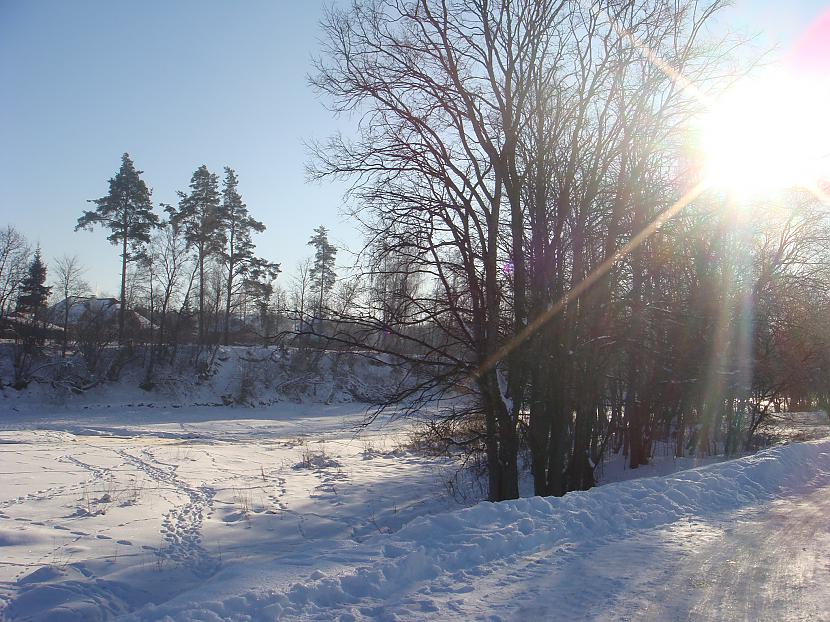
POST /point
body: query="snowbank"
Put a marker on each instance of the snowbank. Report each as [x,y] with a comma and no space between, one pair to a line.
[463,544]
[236,375]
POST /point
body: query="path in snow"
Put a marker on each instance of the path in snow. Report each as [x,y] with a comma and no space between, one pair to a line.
[771,564]
[181,526]
[767,562]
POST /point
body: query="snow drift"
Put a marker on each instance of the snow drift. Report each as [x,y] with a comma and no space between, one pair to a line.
[461,545]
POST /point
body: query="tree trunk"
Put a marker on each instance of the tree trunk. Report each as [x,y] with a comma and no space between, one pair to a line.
[226,329]
[122,310]
[201,295]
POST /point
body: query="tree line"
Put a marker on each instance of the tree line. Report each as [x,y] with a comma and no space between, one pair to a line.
[206,237]
[540,255]
[189,274]
[537,237]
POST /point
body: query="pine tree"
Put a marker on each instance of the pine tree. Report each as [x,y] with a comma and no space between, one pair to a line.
[33,291]
[127,211]
[242,268]
[199,218]
[322,275]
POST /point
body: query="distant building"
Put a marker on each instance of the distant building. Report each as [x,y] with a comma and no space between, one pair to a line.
[83,309]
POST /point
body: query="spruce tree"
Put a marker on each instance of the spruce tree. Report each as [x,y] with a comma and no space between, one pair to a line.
[127,211]
[322,275]
[199,219]
[33,292]
[241,266]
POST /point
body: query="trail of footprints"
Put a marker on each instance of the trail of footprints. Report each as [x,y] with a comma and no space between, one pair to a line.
[327,488]
[55,491]
[181,527]
[98,472]
[276,498]
[40,495]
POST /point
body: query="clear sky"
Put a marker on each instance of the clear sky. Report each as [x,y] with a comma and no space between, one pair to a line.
[179,84]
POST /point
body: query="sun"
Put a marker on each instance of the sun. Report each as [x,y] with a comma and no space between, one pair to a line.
[766,135]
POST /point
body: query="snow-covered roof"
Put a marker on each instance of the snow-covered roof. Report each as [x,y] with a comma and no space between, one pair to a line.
[84,306]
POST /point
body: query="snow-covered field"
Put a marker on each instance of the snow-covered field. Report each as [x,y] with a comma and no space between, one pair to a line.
[114,508]
[200,513]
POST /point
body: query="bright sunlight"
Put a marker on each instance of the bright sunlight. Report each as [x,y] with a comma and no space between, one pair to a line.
[772,132]
[766,135]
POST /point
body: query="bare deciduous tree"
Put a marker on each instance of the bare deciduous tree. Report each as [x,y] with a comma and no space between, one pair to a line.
[69,283]
[14,262]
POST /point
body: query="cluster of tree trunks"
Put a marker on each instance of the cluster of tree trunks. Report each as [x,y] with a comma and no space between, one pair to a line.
[515,167]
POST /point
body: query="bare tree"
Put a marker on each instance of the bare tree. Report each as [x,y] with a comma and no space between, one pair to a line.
[300,292]
[170,257]
[509,149]
[69,283]
[14,263]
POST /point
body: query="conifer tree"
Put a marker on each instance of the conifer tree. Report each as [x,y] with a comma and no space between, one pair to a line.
[322,275]
[242,268]
[127,211]
[33,290]
[199,218]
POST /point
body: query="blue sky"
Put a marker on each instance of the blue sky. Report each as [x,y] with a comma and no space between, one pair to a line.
[176,84]
[179,84]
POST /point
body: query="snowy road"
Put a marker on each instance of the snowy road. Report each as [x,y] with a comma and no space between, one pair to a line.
[766,562]
[772,563]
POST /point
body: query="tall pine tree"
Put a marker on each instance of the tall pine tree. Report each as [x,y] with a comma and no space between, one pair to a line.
[200,221]
[127,211]
[241,266]
[322,275]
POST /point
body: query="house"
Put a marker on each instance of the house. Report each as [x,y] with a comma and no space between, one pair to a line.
[84,309]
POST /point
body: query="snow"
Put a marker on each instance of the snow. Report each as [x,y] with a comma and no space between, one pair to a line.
[244,376]
[119,507]
[221,513]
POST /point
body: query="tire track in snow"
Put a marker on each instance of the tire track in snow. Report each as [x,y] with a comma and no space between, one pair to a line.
[181,527]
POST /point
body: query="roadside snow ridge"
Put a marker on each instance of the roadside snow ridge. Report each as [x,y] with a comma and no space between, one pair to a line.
[447,552]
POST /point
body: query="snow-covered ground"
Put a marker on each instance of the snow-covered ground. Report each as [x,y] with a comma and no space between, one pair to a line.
[199,513]
[113,508]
